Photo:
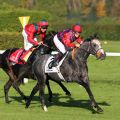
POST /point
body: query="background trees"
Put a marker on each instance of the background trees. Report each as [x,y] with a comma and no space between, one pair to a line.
[115,8]
[98,8]
[28,3]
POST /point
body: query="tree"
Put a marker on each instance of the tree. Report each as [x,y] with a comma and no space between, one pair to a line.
[73,6]
[115,11]
[100,8]
[28,3]
[83,8]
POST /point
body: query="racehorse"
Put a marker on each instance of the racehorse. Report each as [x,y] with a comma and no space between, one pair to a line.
[77,71]
[21,71]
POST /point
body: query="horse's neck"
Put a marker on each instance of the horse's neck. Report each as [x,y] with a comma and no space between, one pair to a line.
[82,55]
[79,56]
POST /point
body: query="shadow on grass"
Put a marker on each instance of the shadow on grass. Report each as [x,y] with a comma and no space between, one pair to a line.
[14,98]
[58,101]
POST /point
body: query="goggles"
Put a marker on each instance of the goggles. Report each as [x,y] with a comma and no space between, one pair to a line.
[44,27]
[77,32]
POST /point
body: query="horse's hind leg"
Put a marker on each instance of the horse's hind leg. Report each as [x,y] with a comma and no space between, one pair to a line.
[16,87]
[41,87]
[41,94]
[6,89]
[63,88]
[34,91]
[49,91]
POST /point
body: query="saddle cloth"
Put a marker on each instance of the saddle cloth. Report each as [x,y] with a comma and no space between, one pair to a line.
[18,56]
[55,69]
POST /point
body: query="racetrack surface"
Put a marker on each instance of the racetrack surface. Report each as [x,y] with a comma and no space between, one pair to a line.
[105,84]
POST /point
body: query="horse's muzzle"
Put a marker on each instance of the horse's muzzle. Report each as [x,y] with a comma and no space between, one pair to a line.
[101,55]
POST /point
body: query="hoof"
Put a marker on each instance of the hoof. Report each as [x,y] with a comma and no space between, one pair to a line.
[50,100]
[96,108]
[27,104]
[45,108]
[8,102]
[26,107]
[99,110]
[68,93]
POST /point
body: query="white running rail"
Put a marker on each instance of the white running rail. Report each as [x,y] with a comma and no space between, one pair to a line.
[107,53]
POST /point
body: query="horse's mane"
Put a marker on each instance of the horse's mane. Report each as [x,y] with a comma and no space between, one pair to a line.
[95,35]
[48,40]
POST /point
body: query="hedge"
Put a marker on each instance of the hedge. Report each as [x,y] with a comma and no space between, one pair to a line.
[10,25]
[15,39]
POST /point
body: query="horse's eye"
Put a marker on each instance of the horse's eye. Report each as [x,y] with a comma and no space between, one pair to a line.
[94,45]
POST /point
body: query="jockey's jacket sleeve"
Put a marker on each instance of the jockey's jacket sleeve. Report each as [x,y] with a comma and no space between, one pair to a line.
[79,40]
[31,35]
[66,40]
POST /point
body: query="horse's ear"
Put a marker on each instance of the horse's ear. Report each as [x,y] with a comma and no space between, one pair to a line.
[91,37]
[87,39]
[96,35]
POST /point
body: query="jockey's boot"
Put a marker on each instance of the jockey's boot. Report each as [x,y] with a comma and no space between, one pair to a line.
[56,60]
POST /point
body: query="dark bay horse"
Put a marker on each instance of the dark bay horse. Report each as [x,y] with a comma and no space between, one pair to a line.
[77,71]
[25,70]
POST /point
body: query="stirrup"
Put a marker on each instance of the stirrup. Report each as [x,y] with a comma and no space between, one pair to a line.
[52,64]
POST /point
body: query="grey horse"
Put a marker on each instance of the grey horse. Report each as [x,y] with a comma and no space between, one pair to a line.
[75,71]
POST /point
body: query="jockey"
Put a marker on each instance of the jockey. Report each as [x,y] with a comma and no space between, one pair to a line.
[64,42]
[31,31]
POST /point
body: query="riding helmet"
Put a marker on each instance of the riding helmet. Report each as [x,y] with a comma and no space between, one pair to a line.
[77,28]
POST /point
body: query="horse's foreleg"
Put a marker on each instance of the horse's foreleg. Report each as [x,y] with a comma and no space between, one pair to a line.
[93,102]
[6,89]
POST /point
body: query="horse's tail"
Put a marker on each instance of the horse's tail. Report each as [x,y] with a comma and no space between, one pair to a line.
[5,55]
[0,60]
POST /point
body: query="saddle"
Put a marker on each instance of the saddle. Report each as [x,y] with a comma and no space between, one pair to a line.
[20,56]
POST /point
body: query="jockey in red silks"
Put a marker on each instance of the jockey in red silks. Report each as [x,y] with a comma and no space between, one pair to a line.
[31,31]
[64,41]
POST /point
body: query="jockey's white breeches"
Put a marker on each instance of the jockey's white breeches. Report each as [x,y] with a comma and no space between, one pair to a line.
[59,44]
[27,44]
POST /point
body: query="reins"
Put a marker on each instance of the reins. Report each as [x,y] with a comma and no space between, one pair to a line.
[73,53]
[87,51]
[90,45]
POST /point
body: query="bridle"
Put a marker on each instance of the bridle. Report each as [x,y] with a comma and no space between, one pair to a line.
[92,48]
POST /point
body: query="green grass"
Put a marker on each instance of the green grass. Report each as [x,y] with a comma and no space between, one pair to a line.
[105,84]
[111,46]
